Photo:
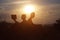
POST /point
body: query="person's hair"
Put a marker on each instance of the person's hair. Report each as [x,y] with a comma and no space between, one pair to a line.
[14,17]
[23,16]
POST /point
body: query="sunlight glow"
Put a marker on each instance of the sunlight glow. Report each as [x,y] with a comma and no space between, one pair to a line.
[29,9]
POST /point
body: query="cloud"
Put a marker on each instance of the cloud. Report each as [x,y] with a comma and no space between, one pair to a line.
[15,2]
[47,2]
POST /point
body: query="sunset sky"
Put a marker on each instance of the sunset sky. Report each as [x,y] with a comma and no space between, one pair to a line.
[47,11]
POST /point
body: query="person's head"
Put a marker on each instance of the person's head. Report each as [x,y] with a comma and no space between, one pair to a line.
[23,17]
[32,15]
[14,17]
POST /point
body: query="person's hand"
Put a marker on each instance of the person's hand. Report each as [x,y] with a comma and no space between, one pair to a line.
[32,15]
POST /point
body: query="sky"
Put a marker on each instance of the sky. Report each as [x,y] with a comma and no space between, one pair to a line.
[48,11]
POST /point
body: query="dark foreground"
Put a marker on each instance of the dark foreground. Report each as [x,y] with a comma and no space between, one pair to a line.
[16,31]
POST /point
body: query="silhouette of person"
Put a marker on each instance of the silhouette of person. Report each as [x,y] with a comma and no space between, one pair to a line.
[31,26]
[24,23]
[31,17]
[23,17]
[16,28]
[14,17]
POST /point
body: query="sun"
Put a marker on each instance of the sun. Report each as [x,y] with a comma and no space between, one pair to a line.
[28,9]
